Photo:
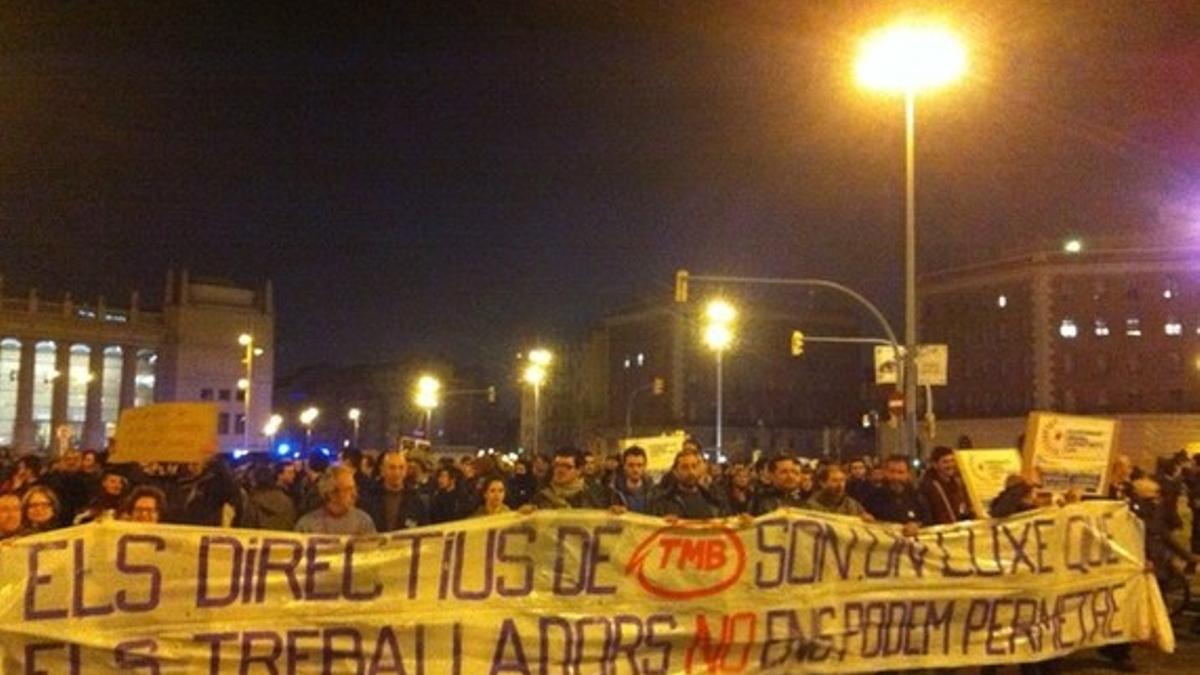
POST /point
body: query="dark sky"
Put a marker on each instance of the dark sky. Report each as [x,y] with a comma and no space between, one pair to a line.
[460,182]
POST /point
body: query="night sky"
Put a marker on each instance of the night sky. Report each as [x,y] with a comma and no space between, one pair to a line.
[462,182]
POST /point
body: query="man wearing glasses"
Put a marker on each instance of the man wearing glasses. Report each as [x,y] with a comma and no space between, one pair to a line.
[568,489]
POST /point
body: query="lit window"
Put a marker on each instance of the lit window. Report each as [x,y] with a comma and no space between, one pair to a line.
[1101,328]
[641,359]
[1002,301]
[1068,329]
[627,363]
[85,313]
[1133,327]
[1173,327]
[1168,294]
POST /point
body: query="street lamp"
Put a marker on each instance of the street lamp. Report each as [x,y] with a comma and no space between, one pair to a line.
[718,335]
[271,428]
[535,376]
[307,417]
[355,415]
[909,58]
[244,384]
[427,398]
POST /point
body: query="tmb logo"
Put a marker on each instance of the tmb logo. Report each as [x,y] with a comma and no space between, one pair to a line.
[685,561]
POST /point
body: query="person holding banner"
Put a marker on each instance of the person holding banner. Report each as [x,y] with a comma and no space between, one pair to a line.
[685,497]
[39,511]
[631,482]
[898,500]
[786,489]
[10,515]
[831,496]
[943,489]
[397,505]
[337,515]
[568,489]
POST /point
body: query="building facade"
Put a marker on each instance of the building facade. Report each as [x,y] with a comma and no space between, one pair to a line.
[1113,327]
[70,367]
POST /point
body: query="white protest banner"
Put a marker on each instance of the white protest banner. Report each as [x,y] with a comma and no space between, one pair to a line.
[579,591]
[166,432]
[984,471]
[660,450]
[1069,452]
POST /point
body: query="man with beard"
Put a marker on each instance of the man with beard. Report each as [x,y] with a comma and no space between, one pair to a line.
[685,497]
[786,488]
[943,489]
[831,496]
[898,500]
[568,489]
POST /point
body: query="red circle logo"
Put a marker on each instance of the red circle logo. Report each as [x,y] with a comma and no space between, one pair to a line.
[685,561]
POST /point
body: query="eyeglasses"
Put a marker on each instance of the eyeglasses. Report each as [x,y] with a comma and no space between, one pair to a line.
[39,505]
[146,510]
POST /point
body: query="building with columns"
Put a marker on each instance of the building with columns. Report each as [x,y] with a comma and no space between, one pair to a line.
[69,367]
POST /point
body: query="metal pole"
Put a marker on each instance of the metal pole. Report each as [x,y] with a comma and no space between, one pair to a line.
[629,413]
[910,277]
[246,400]
[719,397]
[356,433]
[537,400]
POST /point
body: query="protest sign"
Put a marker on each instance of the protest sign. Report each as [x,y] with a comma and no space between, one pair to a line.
[166,432]
[1069,452]
[579,591]
[984,471]
[660,450]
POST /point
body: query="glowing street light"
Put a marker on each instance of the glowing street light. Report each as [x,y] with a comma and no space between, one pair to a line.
[535,375]
[355,415]
[906,59]
[307,417]
[271,428]
[1073,246]
[245,384]
[718,336]
[428,397]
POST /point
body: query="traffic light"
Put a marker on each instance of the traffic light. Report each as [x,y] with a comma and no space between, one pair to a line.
[681,282]
[797,343]
[660,386]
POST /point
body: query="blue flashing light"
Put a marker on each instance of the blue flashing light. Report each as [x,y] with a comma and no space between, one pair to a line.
[283,449]
[238,454]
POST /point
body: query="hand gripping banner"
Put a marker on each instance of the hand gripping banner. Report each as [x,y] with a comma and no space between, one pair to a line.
[578,592]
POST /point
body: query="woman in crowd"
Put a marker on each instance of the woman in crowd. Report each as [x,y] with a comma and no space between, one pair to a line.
[145,504]
[39,510]
[107,502]
[492,497]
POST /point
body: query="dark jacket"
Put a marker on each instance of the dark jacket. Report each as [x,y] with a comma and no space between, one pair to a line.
[947,500]
[414,510]
[773,498]
[206,494]
[269,508]
[588,496]
[636,500]
[673,501]
[906,506]
[449,505]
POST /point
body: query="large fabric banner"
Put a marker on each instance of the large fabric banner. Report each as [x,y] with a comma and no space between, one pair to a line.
[578,592]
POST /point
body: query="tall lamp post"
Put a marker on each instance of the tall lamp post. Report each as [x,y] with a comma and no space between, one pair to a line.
[535,375]
[355,415]
[906,59]
[271,428]
[718,335]
[307,418]
[427,397]
[245,384]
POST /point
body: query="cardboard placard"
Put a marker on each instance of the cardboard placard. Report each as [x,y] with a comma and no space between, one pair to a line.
[660,450]
[984,471]
[167,432]
[1069,452]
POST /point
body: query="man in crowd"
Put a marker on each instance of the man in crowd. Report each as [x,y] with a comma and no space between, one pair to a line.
[857,485]
[268,504]
[898,500]
[398,506]
[632,483]
[568,489]
[685,497]
[831,497]
[337,514]
[10,515]
[784,490]
[943,489]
